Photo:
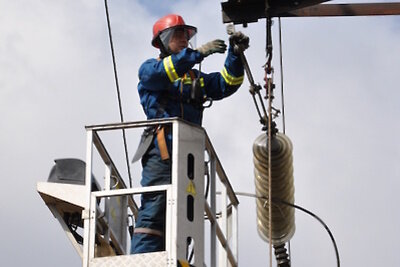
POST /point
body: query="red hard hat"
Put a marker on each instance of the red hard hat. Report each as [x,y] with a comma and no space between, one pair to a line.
[168,22]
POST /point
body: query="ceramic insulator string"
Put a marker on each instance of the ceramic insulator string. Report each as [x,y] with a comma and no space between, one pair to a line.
[282,187]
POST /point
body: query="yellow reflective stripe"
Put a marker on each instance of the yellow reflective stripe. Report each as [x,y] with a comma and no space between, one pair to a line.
[231,80]
[188,80]
[170,69]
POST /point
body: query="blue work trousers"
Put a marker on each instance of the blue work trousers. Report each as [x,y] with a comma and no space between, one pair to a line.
[152,211]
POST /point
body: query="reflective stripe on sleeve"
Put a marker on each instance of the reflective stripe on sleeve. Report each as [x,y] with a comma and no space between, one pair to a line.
[231,80]
[170,69]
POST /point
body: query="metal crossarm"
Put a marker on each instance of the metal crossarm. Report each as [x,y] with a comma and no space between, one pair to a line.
[247,11]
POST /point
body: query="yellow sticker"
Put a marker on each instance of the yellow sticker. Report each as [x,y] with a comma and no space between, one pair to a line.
[191,189]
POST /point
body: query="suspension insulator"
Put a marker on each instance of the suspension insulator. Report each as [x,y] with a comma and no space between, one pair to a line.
[282,188]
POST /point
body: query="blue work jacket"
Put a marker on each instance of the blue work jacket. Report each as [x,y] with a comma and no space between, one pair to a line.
[165,85]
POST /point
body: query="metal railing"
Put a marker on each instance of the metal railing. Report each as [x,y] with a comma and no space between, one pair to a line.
[223,224]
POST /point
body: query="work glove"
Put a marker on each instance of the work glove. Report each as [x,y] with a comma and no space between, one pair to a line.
[239,42]
[216,46]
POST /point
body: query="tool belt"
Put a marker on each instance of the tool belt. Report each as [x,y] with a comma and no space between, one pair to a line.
[147,139]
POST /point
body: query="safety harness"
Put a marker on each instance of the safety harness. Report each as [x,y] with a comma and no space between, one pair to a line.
[196,98]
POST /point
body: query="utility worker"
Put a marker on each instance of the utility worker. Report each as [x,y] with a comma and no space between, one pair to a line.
[169,87]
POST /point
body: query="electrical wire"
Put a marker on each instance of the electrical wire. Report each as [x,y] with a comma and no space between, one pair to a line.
[279,201]
[118,91]
[281,67]
[207,184]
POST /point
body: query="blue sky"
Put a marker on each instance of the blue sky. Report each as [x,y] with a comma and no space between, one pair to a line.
[341,101]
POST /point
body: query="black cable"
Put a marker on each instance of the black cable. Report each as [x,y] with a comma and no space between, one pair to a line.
[320,220]
[208,181]
[118,92]
[276,200]
[281,64]
[191,254]
[73,227]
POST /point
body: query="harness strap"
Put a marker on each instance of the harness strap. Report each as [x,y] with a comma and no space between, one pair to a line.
[148,231]
[183,263]
[162,144]
[191,74]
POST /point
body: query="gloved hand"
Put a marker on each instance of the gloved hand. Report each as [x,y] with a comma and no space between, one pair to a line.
[216,46]
[239,42]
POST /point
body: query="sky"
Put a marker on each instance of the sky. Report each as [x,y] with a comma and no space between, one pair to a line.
[341,113]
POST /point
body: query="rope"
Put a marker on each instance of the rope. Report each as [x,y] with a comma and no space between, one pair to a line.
[269,169]
[279,201]
[283,102]
[269,131]
[118,91]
